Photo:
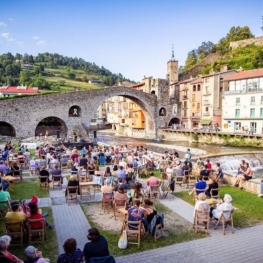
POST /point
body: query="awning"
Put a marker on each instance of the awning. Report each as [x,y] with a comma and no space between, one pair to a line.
[205,122]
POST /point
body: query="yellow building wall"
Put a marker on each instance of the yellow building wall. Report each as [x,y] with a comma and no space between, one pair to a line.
[137,120]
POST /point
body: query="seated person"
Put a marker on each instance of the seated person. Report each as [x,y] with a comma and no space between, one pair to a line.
[73,181]
[72,253]
[213,185]
[106,188]
[36,213]
[205,173]
[221,206]
[83,161]
[135,213]
[91,168]
[57,174]
[34,255]
[33,165]
[4,184]
[97,247]
[43,161]
[15,216]
[219,173]
[136,193]
[164,186]
[5,255]
[129,173]
[203,206]
[152,181]
[44,173]
[149,213]
[186,168]
[120,183]
[200,186]
[3,167]
[4,196]
[246,175]
[121,193]
[74,168]
[121,174]
[64,160]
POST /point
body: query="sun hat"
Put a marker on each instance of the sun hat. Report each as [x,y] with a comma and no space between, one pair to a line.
[35,199]
[228,198]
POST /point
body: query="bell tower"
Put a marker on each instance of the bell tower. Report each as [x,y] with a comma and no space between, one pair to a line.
[172,69]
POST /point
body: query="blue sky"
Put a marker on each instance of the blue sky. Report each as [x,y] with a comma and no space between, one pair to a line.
[131,37]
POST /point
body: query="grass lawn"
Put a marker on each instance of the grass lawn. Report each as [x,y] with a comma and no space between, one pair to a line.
[248,207]
[26,190]
[178,234]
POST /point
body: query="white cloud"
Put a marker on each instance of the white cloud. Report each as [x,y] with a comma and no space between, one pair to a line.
[7,37]
[35,38]
[41,42]
[3,24]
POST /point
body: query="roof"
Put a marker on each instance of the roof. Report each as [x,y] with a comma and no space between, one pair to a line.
[197,80]
[245,74]
[138,85]
[26,90]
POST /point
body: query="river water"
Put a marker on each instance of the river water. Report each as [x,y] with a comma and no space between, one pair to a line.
[229,164]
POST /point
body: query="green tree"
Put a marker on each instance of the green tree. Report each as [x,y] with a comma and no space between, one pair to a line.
[24,78]
[205,48]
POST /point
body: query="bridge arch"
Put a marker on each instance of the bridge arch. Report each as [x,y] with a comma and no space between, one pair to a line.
[51,125]
[7,129]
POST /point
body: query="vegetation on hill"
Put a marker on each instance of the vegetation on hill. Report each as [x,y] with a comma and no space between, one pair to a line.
[248,57]
[53,72]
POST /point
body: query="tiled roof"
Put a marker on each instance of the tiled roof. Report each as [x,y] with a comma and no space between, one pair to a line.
[245,74]
[138,85]
[11,89]
[197,80]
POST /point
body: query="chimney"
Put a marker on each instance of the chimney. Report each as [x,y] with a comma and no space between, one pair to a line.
[223,68]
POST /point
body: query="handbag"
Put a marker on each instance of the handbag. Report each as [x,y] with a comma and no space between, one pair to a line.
[122,244]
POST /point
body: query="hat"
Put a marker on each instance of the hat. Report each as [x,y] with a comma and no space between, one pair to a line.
[30,252]
[227,198]
[35,199]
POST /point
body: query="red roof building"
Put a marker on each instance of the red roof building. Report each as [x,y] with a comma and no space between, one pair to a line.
[6,91]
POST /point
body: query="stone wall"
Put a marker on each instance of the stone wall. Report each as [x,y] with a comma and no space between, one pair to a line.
[242,43]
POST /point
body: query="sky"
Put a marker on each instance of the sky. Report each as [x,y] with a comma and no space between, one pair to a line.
[133,38]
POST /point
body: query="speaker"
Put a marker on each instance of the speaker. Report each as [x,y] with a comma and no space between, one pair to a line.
[95,134]
[58,134]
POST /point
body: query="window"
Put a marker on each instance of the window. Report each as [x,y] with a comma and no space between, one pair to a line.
[206,80]
[193,105]
[185,94]
[207,90]
[252,100]
[194,88]
[185,104]
[252,113]
[232,85]
[237,101]
[185,113]
[238,86]
[206,109]
[243,85]
[193,97]
[199,87]
[261,113]
[198,106]
[260,84]
[237,113]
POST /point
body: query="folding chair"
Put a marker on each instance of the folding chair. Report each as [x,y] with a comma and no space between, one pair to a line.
[202,215]
[226,220]
[56,181]
[72,194]
[43,182]
[118,203]
[19,232]
[214,193]
[107,198]
[36,232]
[135,232]
[17,174]
[154,192]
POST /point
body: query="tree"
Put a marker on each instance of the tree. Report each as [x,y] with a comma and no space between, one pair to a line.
[205,48]
[24,78]
[191,60]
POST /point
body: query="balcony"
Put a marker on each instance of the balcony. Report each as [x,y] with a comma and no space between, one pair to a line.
[185,97]
[252,102]
[206,102]
[208,93]
[237,103]
[207,113]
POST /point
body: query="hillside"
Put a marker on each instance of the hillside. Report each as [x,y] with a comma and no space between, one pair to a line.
[53,72]
[211,56]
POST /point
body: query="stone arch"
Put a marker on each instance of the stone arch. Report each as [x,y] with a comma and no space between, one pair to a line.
[162,112]
[51,125]
[153,92]
[74,111]
[174,121]
[7,129]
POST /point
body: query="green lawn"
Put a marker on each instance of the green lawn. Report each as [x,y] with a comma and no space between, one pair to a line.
[177,234]
[26,190]
[248,207]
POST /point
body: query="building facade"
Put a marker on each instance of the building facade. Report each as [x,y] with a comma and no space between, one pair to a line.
[243,102]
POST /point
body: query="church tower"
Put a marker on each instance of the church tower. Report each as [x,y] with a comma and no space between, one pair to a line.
[172,69]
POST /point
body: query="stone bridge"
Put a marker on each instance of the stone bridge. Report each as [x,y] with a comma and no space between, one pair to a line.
[23,115]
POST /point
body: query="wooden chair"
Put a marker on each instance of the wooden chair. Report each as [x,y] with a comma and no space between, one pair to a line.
[72,194]
[117,204]
[192,179]
[64,166]
[56,181]
[179,180]
[134,232]
[154,192]
[202,216]
[4,208]
[36,232]
[18,233]
[226,221]
[22,162]
[43,182]
[107,198]
[214,193]
[158,231]
[17,174]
